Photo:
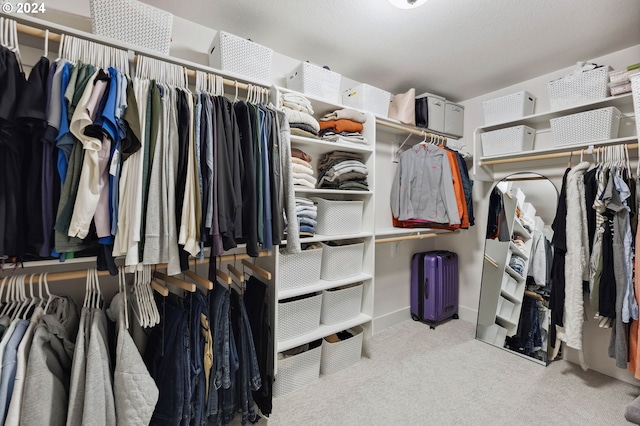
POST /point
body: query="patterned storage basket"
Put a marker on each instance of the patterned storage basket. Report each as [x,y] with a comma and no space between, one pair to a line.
[299,269]
[368,98]
[342,261]
[132,22]
[298,371]
[340,355]
[298,317]
[315,81]
[510,107]
[579,88]
[635,90]
[589,126]
[240,56]
[341,304]
[338,217]
[508,140]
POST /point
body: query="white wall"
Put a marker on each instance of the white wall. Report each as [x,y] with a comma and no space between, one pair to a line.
[470,244]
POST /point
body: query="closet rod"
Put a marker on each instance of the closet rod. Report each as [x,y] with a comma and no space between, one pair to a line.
[79,274]
[411,130]
[412,237]
[548,156]
[37,32]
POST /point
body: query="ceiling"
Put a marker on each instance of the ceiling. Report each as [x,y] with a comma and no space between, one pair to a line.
[456,48]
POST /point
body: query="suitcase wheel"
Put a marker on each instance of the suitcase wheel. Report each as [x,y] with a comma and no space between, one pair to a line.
[455,316]
[415,317]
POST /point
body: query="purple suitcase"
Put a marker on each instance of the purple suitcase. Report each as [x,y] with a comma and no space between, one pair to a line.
[434,286]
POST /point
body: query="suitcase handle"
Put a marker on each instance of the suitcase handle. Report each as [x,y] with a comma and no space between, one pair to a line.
[426,288]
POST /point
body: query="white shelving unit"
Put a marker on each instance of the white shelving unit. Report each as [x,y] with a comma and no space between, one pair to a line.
[316,148]
[543,144]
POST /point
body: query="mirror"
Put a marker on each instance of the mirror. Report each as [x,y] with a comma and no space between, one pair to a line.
[513,312]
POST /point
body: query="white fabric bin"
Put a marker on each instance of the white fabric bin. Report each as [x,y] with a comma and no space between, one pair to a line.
[341,304]
[509,107]
[589,126]
[316,81]
[453,119]
[507,140]
[342,261]
[299,269]
[238,55]
[337,217]
[340,355]
[368,98]
[298,317]
[298,371]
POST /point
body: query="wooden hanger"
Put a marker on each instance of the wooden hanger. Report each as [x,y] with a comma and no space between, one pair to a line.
[257,269]
[202,282]
[160,288]
[223,277]
[236,273]
[190,287]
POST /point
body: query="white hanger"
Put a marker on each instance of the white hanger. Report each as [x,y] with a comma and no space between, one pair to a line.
[9,301]
[50,296]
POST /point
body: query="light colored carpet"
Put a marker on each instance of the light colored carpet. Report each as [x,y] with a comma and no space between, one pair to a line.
[412,375]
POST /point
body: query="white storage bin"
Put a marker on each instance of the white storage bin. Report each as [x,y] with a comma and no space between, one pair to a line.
[509,285]
[315,81]
[510,139]
[340,355]
[368,98]
[341,304]
[299,269]
[238,55]
[298,371]
[298,317]
[132,22]
[435,111]
[589,126]
[509,107]
[342,261]
[453,119]
[505,310]
[579,88]
[336,217]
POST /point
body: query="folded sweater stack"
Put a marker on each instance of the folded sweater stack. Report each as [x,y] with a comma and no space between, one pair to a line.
[299,113]
[302,169]
[342,170]
[307,212]
[343,126]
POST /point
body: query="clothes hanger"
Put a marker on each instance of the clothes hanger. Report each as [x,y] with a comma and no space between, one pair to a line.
[203,283]
[257,269]
[190,287]
[122,288]
[136,305]
[8,302]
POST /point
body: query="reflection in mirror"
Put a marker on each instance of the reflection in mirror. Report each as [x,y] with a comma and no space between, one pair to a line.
[514,296]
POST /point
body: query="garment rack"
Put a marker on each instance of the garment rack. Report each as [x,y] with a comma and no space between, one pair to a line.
[549,156]
[413,130]
[191,67]
[413,237]
[79,274]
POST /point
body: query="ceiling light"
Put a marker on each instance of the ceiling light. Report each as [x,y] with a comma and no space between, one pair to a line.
[407,4]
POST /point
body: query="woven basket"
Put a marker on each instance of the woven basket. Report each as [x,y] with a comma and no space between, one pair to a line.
[589,126]
[510,107]
[508,140]
[240,56]
[580,88]
[297,371]
[337,217]
[635,90]
[299,269]
[341,304]
[298,317]
[132,22]
[341,261]
[315,81]
[368,98]
[340,355]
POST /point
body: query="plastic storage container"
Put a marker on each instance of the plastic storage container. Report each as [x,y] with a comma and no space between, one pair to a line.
[336,217]
[341,261]
[298,316]
[435,111]
[507,140]
[299,269]
[132,22]
[620,87]
[589,126]
[509,107]
[368,98]
[298,371]
[237,55]
[341,304]
[316,81]
[579,88]
[340,355]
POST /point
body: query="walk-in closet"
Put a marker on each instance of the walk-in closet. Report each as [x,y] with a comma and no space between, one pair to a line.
[389,212]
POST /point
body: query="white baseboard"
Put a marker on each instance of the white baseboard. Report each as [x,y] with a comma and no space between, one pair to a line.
[396,317]
[390,319]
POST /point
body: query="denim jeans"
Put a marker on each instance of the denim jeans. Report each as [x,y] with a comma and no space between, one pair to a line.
[166,357]
[198,306]
[220,374]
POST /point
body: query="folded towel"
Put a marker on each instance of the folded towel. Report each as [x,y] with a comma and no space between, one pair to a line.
[301,117]
[300,161]
[345,113]
[341,125]
[299,168]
